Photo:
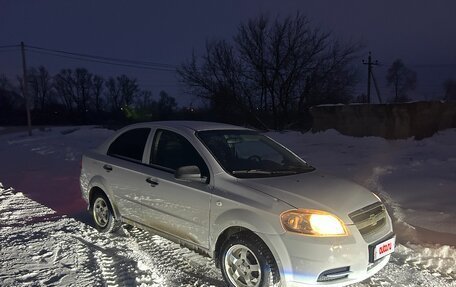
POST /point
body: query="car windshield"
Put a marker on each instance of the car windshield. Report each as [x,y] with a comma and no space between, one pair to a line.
[249,154]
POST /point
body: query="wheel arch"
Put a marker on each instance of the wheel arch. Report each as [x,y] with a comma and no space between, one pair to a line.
[236,220]
[243,220]
[231,231]
[255,239]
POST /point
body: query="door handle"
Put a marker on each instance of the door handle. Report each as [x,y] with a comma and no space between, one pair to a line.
[153,182]
[107,167]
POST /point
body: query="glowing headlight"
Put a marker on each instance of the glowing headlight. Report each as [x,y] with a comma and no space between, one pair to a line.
[313,222]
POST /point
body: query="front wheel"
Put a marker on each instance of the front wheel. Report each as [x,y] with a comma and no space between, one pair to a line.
[247,262]
[102,214]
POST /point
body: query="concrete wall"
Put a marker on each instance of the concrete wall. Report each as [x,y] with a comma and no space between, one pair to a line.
[391,121]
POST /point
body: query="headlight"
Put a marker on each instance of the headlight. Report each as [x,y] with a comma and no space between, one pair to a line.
[313,222]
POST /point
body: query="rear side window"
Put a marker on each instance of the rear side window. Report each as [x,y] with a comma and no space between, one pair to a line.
[171,150]
[130,145]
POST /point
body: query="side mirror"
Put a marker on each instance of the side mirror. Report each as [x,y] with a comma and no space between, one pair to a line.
[189,173]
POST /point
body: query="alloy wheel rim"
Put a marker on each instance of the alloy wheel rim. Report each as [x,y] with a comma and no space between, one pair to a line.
[101,212]
[242,266]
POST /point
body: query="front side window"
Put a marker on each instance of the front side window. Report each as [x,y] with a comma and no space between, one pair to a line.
[171,151]
[245,153]
[130,145]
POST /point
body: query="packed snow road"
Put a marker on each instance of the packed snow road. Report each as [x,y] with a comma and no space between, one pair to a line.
[46,237]
[41,247]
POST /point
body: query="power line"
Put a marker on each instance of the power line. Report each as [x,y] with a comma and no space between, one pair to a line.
[164,65]
[449,65]
[423,65]
[105,62]
[134,62]
[9,46]
[99,59]
[8,50]
[162,86]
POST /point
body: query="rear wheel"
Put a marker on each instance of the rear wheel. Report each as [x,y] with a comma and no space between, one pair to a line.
[102,214]
[247,262]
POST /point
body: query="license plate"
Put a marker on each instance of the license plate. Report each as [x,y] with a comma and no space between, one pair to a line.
[384,248]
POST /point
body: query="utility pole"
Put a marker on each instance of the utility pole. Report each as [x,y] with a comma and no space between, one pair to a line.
[24,89]
[369,64]
[376,88]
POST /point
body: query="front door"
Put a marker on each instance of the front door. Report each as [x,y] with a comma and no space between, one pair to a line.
[173,206]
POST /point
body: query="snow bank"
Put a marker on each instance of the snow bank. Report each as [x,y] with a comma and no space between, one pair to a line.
[417,178]
[66,143]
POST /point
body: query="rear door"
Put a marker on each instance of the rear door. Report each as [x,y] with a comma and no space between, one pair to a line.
[125,171]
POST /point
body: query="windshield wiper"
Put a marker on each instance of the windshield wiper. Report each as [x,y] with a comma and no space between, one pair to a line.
[284,172]
[270,172]
[257,171]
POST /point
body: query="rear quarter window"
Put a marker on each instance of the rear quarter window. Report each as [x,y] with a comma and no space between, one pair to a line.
[130,145]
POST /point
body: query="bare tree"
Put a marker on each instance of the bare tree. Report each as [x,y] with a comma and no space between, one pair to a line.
[97,91]
[144,99]
[218,79]
[278,67]
[83,85]
[40,82]
[9,99]
[75,88]
[66,89]
[113,94]
[166,105]
[122,91]
[402,79]
[128,89]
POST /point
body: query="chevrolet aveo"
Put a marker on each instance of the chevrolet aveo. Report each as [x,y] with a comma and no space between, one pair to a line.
[266,216]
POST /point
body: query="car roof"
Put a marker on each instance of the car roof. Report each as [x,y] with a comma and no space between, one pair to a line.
[191,125]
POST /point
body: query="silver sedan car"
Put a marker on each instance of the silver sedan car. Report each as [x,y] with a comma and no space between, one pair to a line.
[266,216]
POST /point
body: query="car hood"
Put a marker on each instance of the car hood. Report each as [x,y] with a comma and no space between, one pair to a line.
[315,190]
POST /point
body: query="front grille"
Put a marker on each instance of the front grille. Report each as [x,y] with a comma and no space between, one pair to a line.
[370,218]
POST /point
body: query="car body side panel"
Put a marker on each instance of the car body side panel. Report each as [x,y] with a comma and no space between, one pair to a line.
[93,175]
[233,205]
[128,184]
[176,207]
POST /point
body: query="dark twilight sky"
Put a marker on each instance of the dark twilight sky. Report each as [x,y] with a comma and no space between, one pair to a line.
[421,32]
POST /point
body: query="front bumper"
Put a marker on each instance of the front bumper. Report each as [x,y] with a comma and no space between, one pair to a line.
[305,260]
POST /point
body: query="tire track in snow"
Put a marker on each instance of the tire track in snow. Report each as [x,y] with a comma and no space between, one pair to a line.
[440,261]
[36,248]
[179,265]
[400,273]
[52,250]
[110,255]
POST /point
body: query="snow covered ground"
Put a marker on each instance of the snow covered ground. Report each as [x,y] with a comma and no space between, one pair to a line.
[46,237]
[416,178]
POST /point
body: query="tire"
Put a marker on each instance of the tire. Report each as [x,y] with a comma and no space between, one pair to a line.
[247,262]
[102,214]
